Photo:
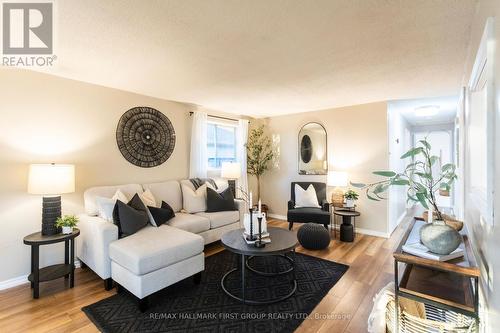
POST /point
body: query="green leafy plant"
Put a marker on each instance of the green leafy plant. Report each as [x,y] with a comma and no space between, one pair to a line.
[418,176]
[67,221]
[351,195]
[259,154]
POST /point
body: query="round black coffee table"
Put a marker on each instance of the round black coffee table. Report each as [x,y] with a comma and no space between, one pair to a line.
[282,242]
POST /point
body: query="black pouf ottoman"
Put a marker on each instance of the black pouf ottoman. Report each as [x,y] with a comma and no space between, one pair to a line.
[313,236]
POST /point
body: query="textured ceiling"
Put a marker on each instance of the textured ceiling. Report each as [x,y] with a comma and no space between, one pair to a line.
[262,57]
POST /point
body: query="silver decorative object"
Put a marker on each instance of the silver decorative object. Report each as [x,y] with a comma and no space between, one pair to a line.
[440,238]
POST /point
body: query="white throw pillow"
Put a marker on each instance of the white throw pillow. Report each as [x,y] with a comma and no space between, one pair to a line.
[148,199]
[106,205]
[194,201]
[222,184]
[305,198]
[219,189]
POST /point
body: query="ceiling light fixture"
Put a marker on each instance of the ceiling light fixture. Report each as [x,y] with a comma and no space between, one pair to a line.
[427,111]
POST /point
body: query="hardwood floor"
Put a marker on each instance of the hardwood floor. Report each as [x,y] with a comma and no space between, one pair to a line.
[345,308]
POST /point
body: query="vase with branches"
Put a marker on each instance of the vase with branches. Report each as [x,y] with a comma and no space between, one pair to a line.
[259,154]
[423,178]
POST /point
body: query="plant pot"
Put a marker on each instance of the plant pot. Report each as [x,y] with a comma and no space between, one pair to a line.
[449,220]
[439,237]
[349,203]
[67,230]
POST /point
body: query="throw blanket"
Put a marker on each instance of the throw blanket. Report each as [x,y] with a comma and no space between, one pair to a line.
[197,182]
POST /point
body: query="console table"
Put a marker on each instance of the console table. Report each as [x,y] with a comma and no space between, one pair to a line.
[54,271]
[449,285]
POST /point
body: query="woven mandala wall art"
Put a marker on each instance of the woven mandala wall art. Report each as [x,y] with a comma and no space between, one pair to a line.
[145,137]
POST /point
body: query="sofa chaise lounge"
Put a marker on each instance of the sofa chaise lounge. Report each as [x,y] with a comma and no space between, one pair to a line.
[154,257]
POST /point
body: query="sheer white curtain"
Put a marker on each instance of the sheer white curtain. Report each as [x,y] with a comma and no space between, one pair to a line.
[241,155]
[199,156]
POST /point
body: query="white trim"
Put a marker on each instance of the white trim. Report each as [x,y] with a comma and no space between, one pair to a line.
[20,280]
[482,77]
[358,230]
[279,217]
[369,232]
[11,283]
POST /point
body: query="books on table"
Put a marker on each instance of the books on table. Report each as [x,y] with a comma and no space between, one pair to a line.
[415,247]
[420,250]
[265,238]
[264,234]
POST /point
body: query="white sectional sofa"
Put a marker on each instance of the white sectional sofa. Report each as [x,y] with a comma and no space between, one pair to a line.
[154,257]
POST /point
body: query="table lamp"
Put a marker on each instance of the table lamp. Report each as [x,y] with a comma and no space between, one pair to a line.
[337,179]
[51,180]
[231,172]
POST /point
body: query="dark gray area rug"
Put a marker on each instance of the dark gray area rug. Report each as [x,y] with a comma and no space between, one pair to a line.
[186,307]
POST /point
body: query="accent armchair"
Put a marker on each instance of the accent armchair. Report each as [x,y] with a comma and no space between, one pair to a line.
[309,214]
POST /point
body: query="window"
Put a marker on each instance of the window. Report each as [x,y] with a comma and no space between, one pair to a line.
[221,144]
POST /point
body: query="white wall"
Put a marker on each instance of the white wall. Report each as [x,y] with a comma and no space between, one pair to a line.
[441,139]
[399,142]
[50,119]
[357,143]
[486,238]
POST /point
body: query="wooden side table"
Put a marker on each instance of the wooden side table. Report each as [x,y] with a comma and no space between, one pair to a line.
[54,271]
[448,285]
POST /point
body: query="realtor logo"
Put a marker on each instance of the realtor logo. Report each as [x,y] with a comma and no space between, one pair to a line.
[27,28]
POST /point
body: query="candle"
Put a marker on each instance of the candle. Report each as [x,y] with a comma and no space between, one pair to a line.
[260,207]
[250,199]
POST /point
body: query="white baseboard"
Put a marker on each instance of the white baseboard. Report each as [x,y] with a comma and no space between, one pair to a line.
[11,283]
[279,217]
[369,232]
[17,281]
[358,230]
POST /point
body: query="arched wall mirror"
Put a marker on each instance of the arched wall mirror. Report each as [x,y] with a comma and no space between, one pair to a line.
[312,150]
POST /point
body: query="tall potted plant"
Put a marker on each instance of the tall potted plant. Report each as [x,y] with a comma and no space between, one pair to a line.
[259,154]
[423,178]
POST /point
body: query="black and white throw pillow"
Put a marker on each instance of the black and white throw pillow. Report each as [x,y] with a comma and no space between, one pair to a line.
[130,217]
[218,202]
[198,182]
[158,216]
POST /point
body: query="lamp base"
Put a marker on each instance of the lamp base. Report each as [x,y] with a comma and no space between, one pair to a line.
[232,186]
[338,198]
[51,210]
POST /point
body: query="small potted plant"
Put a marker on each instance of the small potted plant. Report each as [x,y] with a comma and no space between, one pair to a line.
[350,196]
[67,223]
